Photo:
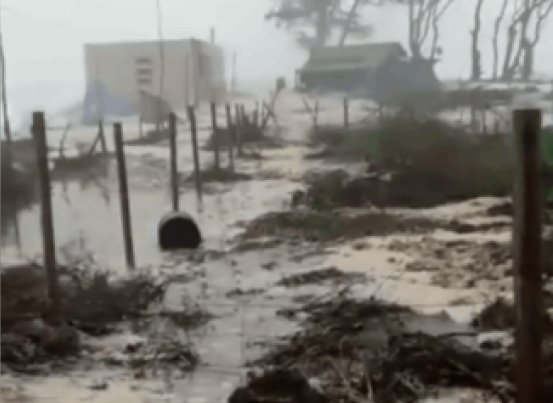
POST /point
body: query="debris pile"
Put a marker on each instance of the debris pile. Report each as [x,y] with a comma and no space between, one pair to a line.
[218,175]
[500,315]
[337,189]
[318,276]
[459,262]
[312,225]
[92,304]
[278,386]
[249,134]
[353,351]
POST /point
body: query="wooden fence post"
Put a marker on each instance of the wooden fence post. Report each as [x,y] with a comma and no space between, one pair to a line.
[527,257]
[316,117]
[231,129]
[484,121]
[255,119]
[216,162]
[243,116]
[239,128]
[173,162]
[48,240]
[124,195]
[346,113]
[102,137]
[195,154]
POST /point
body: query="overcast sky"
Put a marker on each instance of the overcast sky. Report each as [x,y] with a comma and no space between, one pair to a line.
[44,39]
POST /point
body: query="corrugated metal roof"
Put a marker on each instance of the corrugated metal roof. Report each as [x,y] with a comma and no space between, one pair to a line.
[352,57]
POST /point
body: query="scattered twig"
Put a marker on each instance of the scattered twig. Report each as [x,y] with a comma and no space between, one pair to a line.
[484,383]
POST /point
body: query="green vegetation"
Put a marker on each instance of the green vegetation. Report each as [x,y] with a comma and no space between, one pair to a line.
[429,162]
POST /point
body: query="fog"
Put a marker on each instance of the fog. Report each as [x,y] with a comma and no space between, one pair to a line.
[167,236]
[44,41]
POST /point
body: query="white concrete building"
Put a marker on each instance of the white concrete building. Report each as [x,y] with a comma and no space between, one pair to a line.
[181,72]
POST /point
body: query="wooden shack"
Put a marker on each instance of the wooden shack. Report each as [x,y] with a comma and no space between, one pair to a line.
[380,71]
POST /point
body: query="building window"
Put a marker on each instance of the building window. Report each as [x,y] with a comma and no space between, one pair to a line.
[143,60]
[143,71]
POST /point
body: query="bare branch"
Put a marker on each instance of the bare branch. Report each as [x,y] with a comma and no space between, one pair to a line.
[497,26]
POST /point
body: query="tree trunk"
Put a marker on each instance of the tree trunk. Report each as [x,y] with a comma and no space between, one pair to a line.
[530,44]
[523,43]
[322,27]
[528,62]
[476,65]
[523,20]
[435,32]
[511,36]
[497,25]
[414,46]
[348,22]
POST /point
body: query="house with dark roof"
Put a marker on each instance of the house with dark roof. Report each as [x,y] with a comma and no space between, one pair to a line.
[381,71]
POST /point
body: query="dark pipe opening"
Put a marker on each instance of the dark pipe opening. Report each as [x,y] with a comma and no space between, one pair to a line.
[178,231]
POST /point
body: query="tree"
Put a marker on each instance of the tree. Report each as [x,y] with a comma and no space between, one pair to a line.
[475,52]
[424,17]
[353,18]
[317,20]
[528,16]
[497,26]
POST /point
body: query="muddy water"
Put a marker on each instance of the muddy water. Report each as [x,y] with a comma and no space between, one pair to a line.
[87,222]
[86,204]
[86,214]
[87,219]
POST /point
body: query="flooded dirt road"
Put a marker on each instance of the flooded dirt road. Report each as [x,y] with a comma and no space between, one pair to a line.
[242,284]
